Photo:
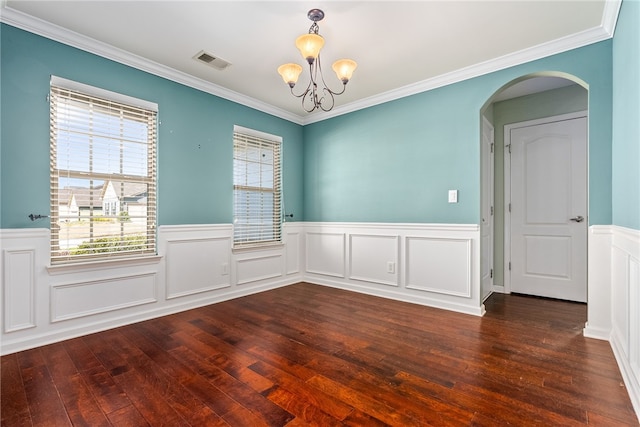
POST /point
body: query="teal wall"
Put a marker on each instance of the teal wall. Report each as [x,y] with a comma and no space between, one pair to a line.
[626,117]
[195,146]
[565,100]
[395,162]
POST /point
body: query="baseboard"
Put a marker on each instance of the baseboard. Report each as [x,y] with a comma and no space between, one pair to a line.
[596,333]
[49,337]
[398,296]
[630,380]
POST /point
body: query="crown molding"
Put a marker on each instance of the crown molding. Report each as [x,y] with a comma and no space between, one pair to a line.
[45,29]
[584,38]
[610,16]
[54,32]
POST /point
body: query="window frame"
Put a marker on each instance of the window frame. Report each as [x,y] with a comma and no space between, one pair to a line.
[102,103]
[246,238]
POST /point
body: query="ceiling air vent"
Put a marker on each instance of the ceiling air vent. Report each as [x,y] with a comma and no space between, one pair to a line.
[211,60]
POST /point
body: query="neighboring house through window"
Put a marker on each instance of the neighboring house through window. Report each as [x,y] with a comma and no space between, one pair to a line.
[257,218]
[103,173]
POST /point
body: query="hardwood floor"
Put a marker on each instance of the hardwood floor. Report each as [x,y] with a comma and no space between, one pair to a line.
[312,355]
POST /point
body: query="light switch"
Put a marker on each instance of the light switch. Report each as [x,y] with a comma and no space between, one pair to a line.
[453,196]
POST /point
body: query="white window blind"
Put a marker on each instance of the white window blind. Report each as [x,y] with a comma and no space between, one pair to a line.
[103,175]
[256,190]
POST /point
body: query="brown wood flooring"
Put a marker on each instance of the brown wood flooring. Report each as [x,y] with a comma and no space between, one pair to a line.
[312,355]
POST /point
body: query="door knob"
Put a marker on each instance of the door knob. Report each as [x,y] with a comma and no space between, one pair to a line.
[577,219]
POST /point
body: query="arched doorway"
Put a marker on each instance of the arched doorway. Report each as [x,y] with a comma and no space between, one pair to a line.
[539,96]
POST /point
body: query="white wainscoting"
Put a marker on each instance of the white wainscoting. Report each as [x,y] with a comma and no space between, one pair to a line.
[78,299]
[439,265]
[429,264]
[325,253]
[599,283]
[195,266]
[197,259]
[625,307]
[374,258]
[614,299]
[21,275]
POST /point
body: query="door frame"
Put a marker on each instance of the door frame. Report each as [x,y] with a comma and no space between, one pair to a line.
[490,168]
[507,186]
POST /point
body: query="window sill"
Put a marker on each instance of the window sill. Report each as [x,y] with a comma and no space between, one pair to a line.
[102,264]
[254,248]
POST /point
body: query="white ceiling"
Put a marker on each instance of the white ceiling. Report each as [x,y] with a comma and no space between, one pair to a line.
[401,47]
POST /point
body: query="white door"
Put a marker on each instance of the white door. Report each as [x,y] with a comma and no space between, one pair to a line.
[486,225]
[549,209]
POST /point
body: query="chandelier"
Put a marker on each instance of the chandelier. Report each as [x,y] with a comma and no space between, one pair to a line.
[316,97]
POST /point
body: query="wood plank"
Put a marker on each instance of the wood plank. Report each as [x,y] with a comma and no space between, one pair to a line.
[107,393]
[15,406]
[303,391]
[82,408]
[311,355]
[45,405]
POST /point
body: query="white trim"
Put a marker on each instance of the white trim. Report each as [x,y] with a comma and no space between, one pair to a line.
[28,284]
[56,289]
[610,16]
[37,26]
[625,305]
[487,125]
[54,32]
[393,294]
[394,226]
[632,385]
[409,284]
[257,133]
[103,93]
[544,50]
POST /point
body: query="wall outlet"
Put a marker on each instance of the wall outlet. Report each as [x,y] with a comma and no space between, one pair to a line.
[224,268]
[391,267]
[453,196]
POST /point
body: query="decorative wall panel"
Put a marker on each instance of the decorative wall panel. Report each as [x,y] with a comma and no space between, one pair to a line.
[197,265]
[72,300]
[374,258]
[325,253]
[19,289]
[439,265]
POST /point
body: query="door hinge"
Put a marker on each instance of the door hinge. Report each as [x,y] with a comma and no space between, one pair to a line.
[509,265]
[491,210]
[492,147]
[509,207]
[491,274]
[509,147]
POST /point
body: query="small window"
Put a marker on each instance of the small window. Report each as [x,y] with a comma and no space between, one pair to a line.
[103,156]
[256,188]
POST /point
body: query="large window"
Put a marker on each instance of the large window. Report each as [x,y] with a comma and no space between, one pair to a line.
[256,188]
[103,174]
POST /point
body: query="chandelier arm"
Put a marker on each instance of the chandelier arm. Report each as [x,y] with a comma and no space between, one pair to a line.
[312,97]
[328,90]
[344,85]
[313,101]
[307,89]
[322,102]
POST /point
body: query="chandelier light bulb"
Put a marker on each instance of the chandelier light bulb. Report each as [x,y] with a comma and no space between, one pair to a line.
[344,69]
[290,73]
[309,46]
